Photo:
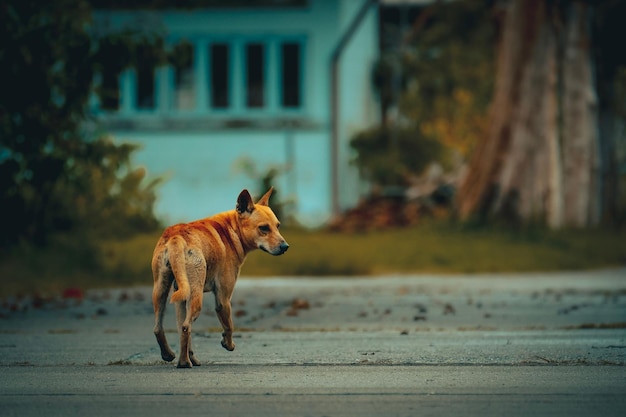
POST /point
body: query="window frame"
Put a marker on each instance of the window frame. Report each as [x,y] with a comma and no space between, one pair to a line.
[273,83]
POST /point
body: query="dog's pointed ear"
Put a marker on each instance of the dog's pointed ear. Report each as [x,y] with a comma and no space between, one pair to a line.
[245,203]
[265,200]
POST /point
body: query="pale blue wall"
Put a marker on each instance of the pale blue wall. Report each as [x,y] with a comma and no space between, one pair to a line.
[204,175]
[200,164]
[357,101]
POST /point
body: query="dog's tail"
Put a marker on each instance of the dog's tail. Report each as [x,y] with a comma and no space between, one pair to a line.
[176,250]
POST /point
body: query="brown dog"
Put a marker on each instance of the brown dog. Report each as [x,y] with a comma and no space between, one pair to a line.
[204,256]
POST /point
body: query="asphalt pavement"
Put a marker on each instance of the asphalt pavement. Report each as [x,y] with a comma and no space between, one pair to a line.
[516,344]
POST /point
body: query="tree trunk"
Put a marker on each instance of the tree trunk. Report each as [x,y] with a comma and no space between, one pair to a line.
[539,161]
[581,196]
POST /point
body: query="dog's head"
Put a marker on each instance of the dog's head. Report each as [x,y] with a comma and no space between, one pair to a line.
[259,224]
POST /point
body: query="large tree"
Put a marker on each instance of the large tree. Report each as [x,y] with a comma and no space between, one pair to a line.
[546,158]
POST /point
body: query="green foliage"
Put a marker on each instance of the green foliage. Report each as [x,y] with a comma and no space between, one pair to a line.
[390,156]
[107,195]
[55,174]
[450,69]
[438,71]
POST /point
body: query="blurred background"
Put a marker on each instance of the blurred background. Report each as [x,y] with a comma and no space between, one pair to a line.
[402,136]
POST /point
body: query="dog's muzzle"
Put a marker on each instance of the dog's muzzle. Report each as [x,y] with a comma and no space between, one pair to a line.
[283,247]
[279,250]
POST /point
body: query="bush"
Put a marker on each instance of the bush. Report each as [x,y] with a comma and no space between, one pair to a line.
[392,156]
[58,174]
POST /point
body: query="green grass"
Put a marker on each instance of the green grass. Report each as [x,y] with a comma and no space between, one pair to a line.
[437,247]
[440,248]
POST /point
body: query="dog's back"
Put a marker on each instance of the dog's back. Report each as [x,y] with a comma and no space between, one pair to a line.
[214,240]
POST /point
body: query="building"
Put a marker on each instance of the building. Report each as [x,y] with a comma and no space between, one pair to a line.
[260,84]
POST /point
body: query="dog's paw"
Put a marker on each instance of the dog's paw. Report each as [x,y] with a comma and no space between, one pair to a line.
[182,364]
[230,347]
[167,354]
[194,361]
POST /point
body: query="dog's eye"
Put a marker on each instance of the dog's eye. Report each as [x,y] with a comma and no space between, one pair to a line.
[264,228]
[278,225]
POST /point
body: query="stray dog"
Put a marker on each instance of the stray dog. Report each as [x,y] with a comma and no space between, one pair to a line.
[206,255]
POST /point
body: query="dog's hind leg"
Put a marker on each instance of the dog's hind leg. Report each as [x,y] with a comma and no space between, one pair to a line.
[187,358]
[184,360]
[194,311]
[188,311]
[162,284]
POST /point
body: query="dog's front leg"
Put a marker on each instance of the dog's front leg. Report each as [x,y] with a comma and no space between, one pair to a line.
[223,309]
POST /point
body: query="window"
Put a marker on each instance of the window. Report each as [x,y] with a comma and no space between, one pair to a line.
[290,81]
[109,90]
[211,75]
[255,77]
[145,79]
[145,88]
[219,81]
[184,94]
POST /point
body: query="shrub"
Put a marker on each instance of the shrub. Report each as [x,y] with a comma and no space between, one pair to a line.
[392,156]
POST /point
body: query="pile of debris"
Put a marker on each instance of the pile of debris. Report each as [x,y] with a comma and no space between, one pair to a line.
[429,196]
[379,212]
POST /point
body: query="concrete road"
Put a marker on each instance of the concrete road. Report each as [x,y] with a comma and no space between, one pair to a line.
[269,390]
[543,344]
